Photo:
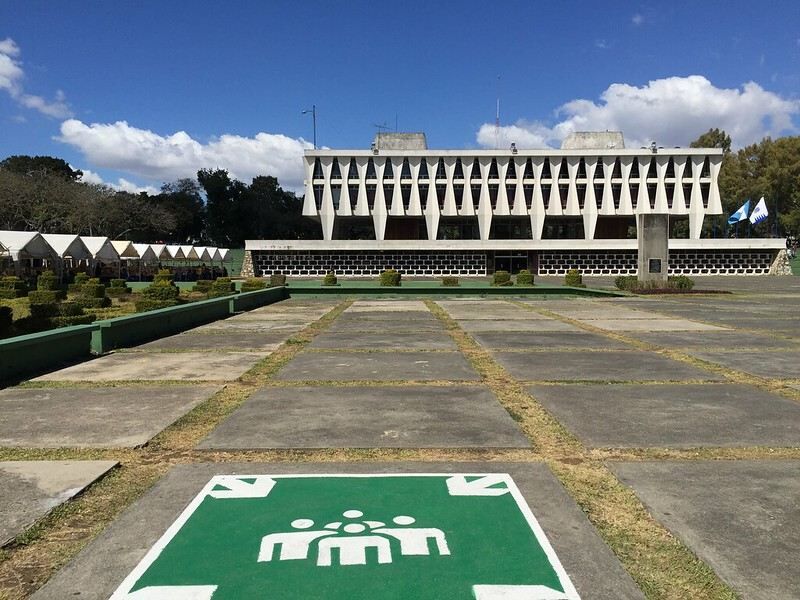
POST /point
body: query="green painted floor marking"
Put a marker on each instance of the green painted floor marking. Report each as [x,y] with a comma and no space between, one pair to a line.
[422,536]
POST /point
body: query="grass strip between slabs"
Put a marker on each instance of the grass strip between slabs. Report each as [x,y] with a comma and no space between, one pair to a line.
[662,566]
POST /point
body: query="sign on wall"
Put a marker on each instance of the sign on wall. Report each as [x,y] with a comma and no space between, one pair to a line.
[353,537]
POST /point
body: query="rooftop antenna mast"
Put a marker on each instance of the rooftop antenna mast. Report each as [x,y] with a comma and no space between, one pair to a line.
[381,128]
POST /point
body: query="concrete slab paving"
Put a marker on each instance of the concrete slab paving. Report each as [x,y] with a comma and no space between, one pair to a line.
[377,366]
[673,416]
[371,417]
[112,417]
[254,325]
[385,324]
[504,314]
[542,340]
[386,306]
[770,365]
[152,366]
[741,517]
[612,365]
[215,340]
[537,325]
[31,489]
[652,325]
[382,315]
[385,340]
[725,339]
[100,568]
[602,311]
[299,315]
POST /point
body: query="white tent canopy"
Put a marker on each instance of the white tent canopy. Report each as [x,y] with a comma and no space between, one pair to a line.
[145,252]
[67,245]
[26,244]
[213,253]
[223,254]
[189,253]
[202,253]
[125,249]
[175,252]
[101,248]
[160,250]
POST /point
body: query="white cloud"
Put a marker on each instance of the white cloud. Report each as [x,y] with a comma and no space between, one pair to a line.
[671,111]
[122,184]
[11,76]
[157,157]
[637,19]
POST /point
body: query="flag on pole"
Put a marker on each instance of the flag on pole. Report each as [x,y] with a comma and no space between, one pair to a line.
[760,212]
[741,214]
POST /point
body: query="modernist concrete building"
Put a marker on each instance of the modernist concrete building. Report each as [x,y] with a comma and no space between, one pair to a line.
[470,212]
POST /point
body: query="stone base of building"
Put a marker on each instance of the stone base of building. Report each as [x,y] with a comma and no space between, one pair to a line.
[686,257]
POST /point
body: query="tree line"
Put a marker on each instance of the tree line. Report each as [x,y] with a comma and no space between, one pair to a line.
[45,194]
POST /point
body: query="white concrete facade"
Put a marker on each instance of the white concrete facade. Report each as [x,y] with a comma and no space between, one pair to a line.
[531,184]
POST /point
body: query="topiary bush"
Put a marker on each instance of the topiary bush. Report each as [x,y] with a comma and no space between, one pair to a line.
[525,277]
[44,296]
[502,278]
[222,286]
[60,321]
[44,310]
[330,279]
[93,295]
[680,282]
[157,295]
[450,281]
[203,286]
[118,288]
[253,284]
[277,280]
[573,278]
[163,276]
[48,282]
[390,278]
[12,287]
[80,279]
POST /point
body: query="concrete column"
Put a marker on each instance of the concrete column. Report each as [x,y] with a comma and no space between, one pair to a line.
[653,241]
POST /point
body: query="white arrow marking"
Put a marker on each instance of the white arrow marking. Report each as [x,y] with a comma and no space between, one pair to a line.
[459,486]
[260,488]
[517,592]
[174,592]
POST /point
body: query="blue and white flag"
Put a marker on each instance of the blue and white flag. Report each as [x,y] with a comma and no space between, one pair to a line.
[741,214]
[760,212]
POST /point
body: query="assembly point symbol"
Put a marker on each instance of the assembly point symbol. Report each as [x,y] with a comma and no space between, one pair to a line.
[352,540]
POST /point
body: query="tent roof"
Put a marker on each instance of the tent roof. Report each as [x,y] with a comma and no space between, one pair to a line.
[213,252]
[145,252]
[125,249]
[160,250]
[29,244]
[100,247]
[67,244]
[202,253]
[189,252]
[175,252]
[223,254]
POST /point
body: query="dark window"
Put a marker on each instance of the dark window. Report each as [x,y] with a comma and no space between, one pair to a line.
[635,168]
[441,190]
[405,192]
[670,172]
[528,169]
[405,172]
[493,190]
[440,172]
[318,169]
[371,196]
[318,196]
[336,194]
[706,172]
[388,172]
[458,193]
[581,169]
[528,191]
[546,171]
[371,169]
[476,169]
[493,174]
[423,169]
[335,172]
[511,172]
[617,172]
[458,172]
[353,173]
[423,195]
[546,195]
[599,172]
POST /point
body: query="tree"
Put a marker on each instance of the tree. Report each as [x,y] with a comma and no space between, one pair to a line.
[40,165]
[713,138]
[184,201]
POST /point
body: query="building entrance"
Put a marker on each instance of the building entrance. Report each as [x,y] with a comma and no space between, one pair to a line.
[513,262]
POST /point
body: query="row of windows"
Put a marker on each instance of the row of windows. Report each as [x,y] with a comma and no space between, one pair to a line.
[349,193]
[437,166]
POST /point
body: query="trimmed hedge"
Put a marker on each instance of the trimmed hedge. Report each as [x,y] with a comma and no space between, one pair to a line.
[680,282]
[12,287]
[524,277]
[44,296]
[163,276]
[631,283]
[627,283]
[330,279]
[80,279]
[203,285]
[253,283]
[118,288]
[277,279]
[450,281]
[502,278]
[68,321]
[390,278]
[159,294]
[573,278]
[223,286]
[48,282]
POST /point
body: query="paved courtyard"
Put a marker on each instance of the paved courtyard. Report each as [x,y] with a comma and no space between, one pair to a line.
[585,432]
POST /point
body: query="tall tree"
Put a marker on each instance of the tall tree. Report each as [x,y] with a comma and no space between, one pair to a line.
[40,165]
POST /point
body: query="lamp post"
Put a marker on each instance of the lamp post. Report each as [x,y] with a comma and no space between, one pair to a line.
[313,112]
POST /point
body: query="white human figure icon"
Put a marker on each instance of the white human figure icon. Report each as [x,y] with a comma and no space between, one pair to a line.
[353,548]
[294,545]
[414,540]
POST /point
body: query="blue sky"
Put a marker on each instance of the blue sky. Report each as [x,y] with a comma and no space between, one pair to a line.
[137,93]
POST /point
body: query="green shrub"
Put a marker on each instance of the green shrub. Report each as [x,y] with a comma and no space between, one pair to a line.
[118,288]
[626,282]
[44,310]
[48,282]
[203,286]
[93,289]
[12,287]
[72,320]
[277,279]
[6,318]
[525,277]
[159,294]
[163,276]
[330,279]
[574,278]
[80,279]
[680,282]
[222,286]
[450,281]
[254,283]
[90,302]
[70,309]
[44,296]
[502,278]
[390,278]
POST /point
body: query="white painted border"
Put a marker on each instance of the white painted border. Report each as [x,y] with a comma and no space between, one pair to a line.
[127,584]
